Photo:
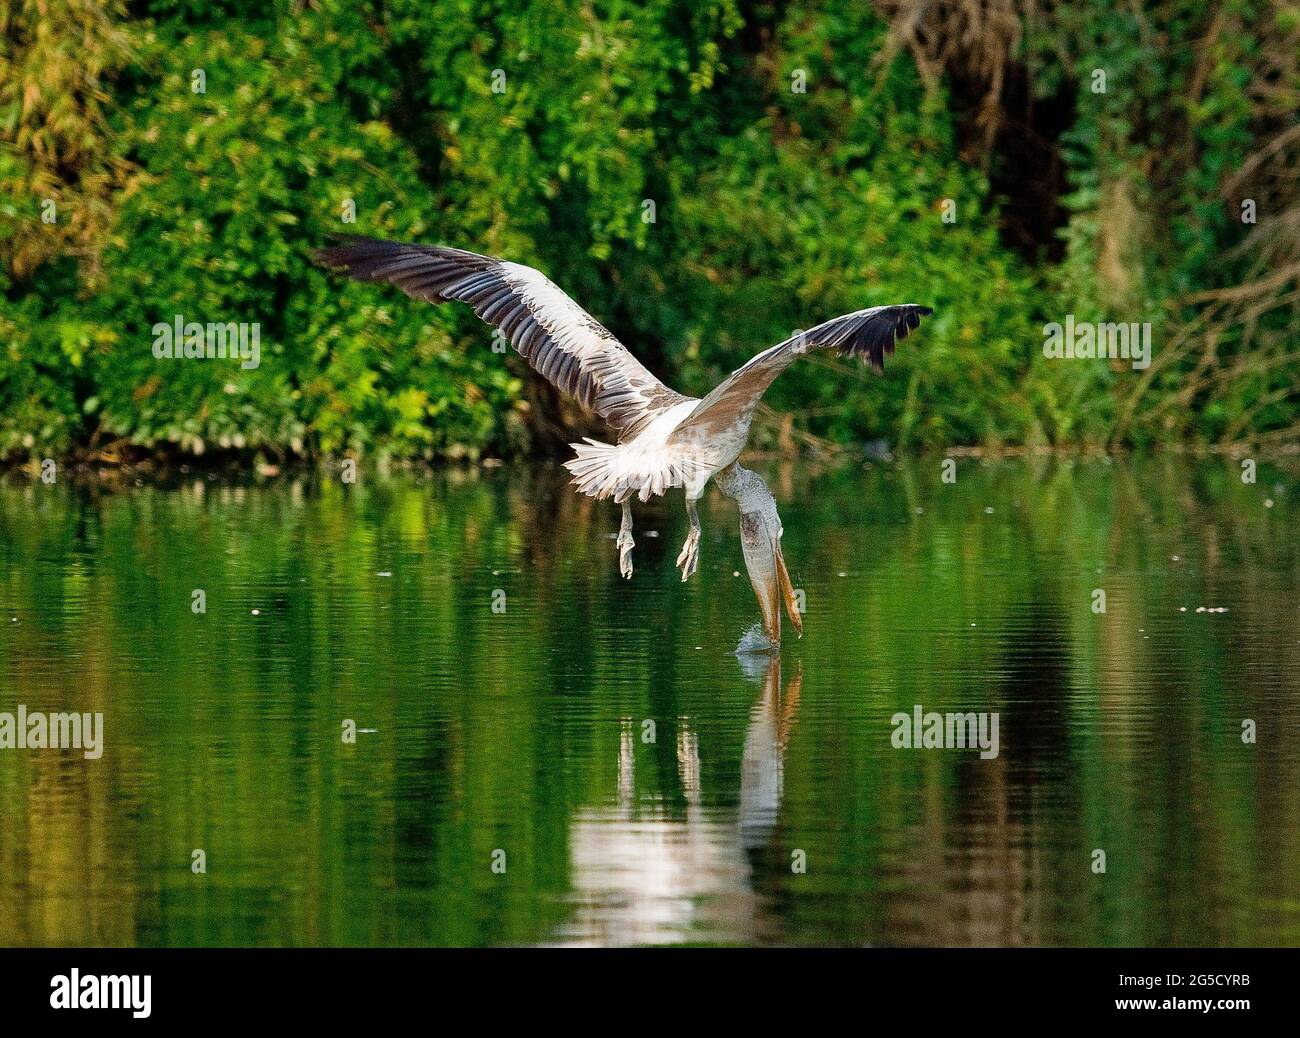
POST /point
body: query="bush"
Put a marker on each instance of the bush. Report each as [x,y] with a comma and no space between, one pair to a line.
[704,179]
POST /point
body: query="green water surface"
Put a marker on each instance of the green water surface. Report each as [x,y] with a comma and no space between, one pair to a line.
[632,779]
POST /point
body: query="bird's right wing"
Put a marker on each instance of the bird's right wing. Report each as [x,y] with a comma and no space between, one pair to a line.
[563,343]
[870,334]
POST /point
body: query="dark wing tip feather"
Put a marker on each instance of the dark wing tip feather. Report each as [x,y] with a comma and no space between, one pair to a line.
[428,272]
[345,250]
[873,334]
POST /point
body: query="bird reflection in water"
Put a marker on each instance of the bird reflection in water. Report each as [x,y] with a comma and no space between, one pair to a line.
[647,873]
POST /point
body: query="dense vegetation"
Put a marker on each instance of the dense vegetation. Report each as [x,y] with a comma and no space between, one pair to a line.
[703,177]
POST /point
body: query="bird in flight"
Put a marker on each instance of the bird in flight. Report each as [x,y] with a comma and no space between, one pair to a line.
[663,439]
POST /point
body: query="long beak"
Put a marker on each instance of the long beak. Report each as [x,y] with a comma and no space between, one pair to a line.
[768,575]
[787,589]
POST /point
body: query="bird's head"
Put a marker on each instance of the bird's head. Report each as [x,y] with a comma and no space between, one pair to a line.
[760,539]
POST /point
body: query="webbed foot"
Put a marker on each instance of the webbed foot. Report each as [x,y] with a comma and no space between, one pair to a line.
[689,559]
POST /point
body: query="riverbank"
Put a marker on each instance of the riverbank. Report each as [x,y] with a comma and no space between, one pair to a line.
[172,470]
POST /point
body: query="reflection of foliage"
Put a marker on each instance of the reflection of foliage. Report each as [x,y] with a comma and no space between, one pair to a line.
[503,730]
[773,210]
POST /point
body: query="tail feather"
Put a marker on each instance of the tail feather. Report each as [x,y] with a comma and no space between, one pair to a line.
[603,470]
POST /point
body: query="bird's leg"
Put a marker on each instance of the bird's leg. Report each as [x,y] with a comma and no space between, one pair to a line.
[625,542]
[689,559]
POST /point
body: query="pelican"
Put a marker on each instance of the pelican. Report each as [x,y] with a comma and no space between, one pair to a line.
[663,439]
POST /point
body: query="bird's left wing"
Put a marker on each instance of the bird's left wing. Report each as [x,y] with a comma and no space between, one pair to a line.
[563,343]
[870,334]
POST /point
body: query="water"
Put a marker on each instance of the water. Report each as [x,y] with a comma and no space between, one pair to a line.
[639,782]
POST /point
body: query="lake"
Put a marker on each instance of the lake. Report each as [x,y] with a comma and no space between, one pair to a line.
[547,754]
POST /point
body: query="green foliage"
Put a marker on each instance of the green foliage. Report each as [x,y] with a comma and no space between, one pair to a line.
[833,201]
[240,180]
[1155,221]
[544,133]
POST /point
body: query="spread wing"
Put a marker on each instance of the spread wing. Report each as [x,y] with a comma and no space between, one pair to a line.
[563,343]
[870,334]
